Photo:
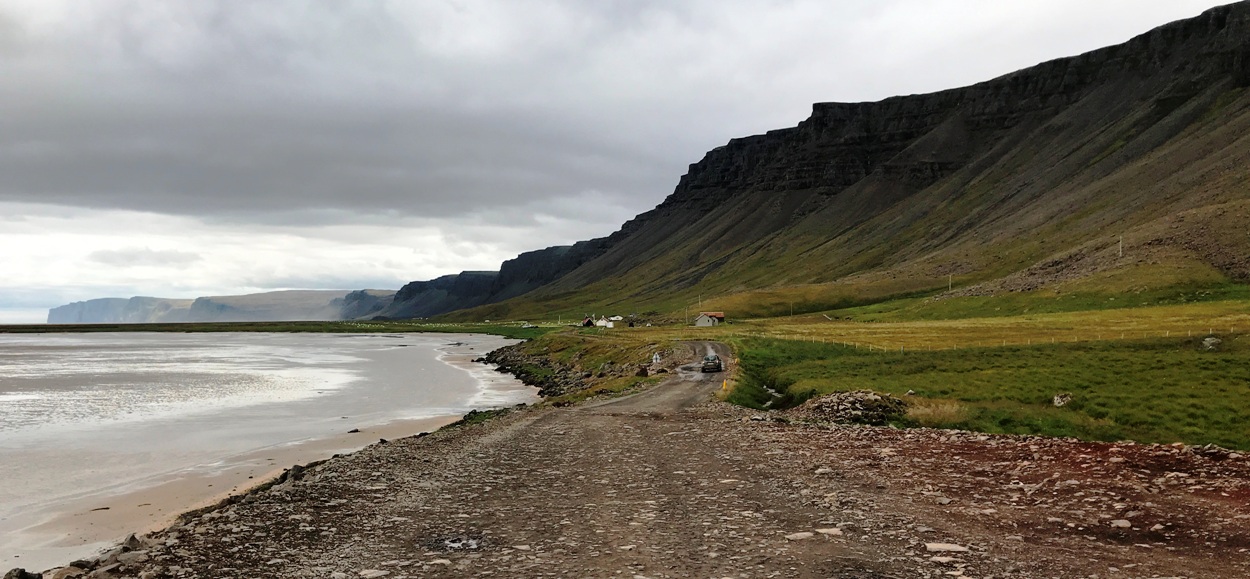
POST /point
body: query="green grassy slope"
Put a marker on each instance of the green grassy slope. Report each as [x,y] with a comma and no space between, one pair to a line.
[1040,202]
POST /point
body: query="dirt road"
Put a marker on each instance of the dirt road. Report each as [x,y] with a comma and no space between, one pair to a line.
[668,483]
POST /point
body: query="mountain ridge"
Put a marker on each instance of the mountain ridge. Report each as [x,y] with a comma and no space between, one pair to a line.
[978,183]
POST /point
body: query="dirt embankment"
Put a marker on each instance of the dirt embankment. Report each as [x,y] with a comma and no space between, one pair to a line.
[557,376]
[668,483]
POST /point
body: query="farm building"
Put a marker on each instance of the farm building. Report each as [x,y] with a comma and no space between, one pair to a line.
[709,319]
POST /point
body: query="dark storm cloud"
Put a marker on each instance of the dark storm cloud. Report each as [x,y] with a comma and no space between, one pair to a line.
[223,108]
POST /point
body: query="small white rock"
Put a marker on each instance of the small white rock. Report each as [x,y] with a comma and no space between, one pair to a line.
[945,548]
[1121,524]
[800,536]
[834,532]
[373,573]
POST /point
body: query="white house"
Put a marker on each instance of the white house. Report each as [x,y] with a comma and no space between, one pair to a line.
[709,319]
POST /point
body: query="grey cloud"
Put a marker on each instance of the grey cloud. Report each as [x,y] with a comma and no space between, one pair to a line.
[145,257]
[342,282]
[292,111]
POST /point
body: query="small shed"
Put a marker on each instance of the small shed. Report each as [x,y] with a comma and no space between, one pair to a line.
[709,319]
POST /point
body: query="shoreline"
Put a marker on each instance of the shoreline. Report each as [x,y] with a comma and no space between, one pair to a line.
[84,527]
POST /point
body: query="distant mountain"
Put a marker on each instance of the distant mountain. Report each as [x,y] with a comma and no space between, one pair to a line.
[1024,182]
[296,305]
[518,276]
[121,310]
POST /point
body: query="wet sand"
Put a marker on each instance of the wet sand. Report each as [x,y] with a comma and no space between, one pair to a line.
[89,524]
[79,526]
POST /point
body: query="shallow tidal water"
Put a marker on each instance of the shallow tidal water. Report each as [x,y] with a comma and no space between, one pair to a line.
[88,416]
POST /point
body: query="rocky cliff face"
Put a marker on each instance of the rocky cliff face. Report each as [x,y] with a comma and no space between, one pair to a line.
[364,303]
[279,306]
[861,187]
[421,299]
[515,277]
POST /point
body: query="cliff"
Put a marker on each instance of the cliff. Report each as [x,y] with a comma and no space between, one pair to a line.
[279,306]
[984,183]
[516,277]
[420,299]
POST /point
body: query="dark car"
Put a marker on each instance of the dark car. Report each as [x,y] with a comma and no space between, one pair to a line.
[712,363]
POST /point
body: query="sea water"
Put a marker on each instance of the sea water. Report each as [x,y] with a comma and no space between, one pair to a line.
[93,414]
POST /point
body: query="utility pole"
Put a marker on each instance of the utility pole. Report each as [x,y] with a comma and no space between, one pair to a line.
[1121,246]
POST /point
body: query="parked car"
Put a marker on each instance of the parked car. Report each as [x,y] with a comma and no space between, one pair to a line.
[712,363]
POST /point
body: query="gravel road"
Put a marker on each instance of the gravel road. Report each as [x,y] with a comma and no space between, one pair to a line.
[669,483]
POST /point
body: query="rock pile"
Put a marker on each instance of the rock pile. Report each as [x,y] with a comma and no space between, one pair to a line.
[859,407]
[131,558]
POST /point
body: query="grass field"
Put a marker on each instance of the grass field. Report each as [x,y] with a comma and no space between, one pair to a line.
[1159,390]
[1135,373]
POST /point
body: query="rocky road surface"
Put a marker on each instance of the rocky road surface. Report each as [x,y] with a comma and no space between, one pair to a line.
[669,483]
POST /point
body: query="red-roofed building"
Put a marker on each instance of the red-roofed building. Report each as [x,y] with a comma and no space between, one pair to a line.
[709,319]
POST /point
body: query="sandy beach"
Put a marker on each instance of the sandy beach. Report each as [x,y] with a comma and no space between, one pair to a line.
[87,525]
[64,526]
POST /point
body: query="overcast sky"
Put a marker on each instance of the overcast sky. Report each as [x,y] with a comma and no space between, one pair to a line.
[199,147]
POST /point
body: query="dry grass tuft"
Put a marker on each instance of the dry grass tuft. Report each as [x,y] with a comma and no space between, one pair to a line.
[935,413]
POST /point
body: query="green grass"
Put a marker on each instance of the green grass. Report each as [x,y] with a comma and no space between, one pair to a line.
[1150,390]
[1040,302]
